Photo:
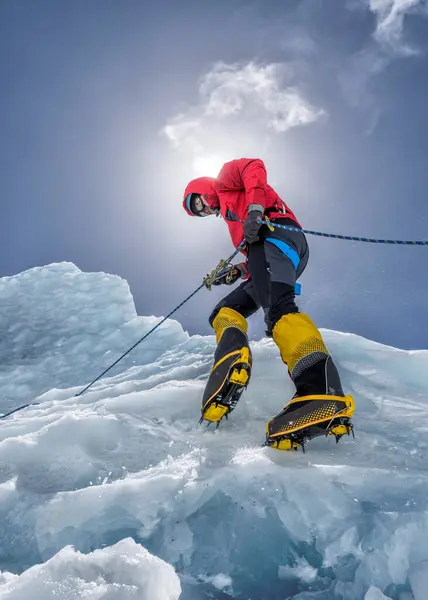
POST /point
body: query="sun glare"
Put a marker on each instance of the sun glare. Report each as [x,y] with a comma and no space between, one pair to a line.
[208,166]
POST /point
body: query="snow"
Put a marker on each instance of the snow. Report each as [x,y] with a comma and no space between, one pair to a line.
[119,493]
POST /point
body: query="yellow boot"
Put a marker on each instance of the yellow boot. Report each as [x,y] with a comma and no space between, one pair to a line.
[319,407]
[232,366]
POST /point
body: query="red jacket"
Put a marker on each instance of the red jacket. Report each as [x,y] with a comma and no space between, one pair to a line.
[240,183]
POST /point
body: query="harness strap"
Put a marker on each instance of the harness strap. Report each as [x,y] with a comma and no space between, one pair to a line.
[287,250]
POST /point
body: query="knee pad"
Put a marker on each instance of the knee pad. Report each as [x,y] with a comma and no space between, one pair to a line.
[227,317]
[299,342]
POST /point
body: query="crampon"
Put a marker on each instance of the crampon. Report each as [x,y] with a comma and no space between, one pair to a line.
[225,399]
[305,418]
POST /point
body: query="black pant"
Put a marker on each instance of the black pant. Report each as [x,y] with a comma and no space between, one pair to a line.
[273,276]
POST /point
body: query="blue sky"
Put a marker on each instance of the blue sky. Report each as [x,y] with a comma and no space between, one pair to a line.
[109,108]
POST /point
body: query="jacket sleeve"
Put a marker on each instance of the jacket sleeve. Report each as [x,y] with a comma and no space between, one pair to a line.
[254,180]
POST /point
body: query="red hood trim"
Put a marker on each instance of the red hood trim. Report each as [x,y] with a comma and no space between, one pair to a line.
[202,185]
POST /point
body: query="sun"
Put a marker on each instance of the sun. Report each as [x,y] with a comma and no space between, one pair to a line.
[208,165]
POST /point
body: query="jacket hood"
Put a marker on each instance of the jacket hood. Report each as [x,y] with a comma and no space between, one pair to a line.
[201,185]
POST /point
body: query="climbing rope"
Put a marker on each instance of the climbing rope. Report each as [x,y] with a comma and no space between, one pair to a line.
[139,341]
[18,409]
[207,282]
[351,238]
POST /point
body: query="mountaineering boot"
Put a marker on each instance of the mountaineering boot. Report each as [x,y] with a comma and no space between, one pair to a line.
[319,406]
[232,366]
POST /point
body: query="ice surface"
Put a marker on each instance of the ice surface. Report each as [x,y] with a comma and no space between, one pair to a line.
[374,593]
[418,576]
[125,570]
[128,460]
[59,327]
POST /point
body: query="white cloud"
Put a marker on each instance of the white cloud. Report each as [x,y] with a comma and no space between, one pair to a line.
[390,20]
[231,89]
[181,127]
[387,44]
[260,97]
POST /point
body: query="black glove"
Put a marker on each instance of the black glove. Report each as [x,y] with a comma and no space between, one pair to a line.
[252,225]
[231,274]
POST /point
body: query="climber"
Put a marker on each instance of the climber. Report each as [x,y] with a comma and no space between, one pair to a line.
[276,258]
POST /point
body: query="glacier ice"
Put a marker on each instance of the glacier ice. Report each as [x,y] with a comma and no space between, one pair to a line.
[125,570]
[374,593]
[122,474]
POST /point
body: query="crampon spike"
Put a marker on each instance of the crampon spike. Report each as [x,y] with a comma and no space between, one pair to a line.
[349,429]
[291,444]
